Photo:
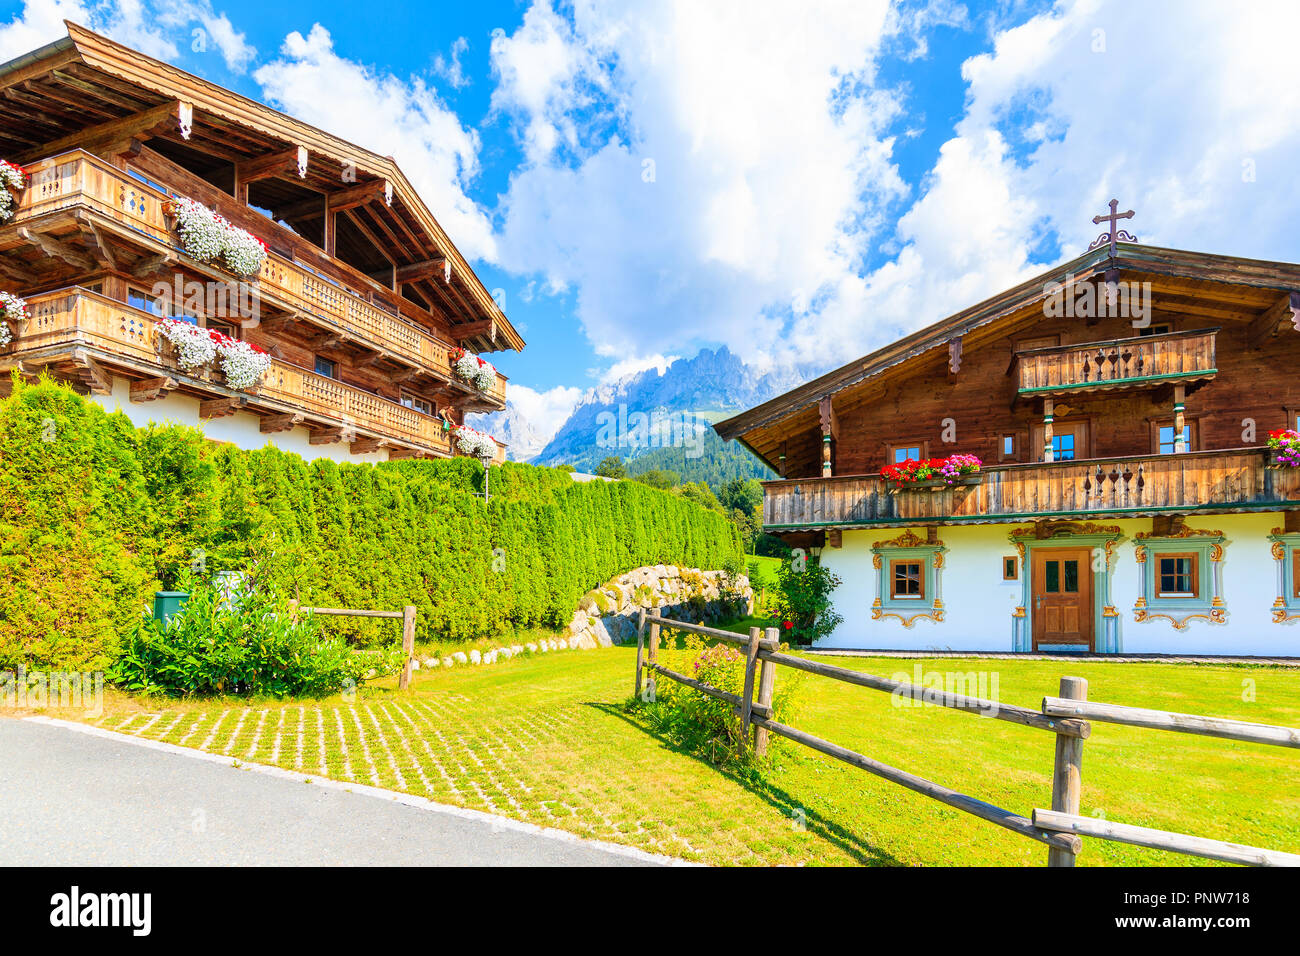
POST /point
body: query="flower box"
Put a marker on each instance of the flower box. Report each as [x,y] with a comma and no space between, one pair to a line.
[1283,449]
[209,237]
[473,370]
[13,180]
[13,313]
[938,484]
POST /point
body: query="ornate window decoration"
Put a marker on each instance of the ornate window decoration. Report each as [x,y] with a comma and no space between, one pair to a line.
[1102,540]
[1286,552]
[907,579]
[1180,577]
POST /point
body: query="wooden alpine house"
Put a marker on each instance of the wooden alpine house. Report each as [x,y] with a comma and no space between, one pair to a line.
[182,253]
[1102,459]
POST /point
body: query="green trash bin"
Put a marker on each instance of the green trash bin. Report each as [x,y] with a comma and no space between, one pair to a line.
[167,604]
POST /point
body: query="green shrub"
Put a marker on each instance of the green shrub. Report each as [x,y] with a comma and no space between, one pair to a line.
[804,602]
[95,515]
[241,642]
[702,724]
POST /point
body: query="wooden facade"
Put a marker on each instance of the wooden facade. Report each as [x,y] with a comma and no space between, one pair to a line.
[361,299]
[1213,362]
[1127,500]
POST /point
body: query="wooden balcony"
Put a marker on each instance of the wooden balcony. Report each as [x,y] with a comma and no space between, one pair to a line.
[1146,361]
[78,179]
[1210,481]
[80,327]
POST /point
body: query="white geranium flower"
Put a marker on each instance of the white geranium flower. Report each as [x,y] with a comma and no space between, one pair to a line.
[244,365]
[208,237]
[12,310]
[474,370]
[195,347]
[12,180]
[470,441]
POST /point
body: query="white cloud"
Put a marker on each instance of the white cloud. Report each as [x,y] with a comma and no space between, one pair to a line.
[737,163]
[772,175]
[143,26]
[1165,106]
[633,366]
[545,411]
[402,118]
[449,67]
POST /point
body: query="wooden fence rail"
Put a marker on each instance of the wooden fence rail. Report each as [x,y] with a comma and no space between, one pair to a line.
[1066,717]
[406,615]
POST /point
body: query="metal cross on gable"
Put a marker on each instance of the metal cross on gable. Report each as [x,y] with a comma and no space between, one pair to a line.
[1113,235]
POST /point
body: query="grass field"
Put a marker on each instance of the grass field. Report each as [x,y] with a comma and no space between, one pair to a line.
[550,739]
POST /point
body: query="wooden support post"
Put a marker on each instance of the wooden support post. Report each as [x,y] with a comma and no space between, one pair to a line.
[640,649]
[408,645]
[652,657]
[830,432]
[1067,771]
[1180,399]
[1048,407]
[766,685]
[747,697]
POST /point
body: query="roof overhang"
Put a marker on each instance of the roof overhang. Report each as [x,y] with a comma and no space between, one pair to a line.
[1130,257]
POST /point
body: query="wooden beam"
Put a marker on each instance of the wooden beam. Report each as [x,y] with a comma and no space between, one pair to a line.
[151,389]
[174,115]
[272,424]
[1269,322]
[56,249]
[437,267]
[152,264]
[98,247]
[364,446]
[16,272]
[328,436]
[220,407]
[283,164]
[97,378]
[338,201]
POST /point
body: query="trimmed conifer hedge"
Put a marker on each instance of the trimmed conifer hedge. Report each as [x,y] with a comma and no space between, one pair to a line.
[95,515]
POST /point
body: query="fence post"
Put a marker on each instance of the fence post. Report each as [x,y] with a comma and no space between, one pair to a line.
[652,656]
[1067,771]
[408,645]
[747,697]
[640,648]
[766,685]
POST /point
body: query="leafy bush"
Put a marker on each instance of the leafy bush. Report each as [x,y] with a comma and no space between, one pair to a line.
[703,724]
[242,642]
[804,604]
[95,515]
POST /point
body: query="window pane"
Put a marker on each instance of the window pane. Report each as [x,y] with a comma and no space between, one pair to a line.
[1063,447]
[1071,577]
[1052,582]
[324,367]
[907,579]
[1008,445]
[1167,438]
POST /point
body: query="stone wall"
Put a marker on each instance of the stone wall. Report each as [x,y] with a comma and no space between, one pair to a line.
[607,615]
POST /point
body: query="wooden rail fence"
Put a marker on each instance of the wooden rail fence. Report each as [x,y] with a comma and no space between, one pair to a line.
[406,615]
[1067,717]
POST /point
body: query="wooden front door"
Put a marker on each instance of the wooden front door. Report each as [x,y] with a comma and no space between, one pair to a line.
[1062,597]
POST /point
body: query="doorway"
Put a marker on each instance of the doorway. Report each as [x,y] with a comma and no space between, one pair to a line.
[1062,594]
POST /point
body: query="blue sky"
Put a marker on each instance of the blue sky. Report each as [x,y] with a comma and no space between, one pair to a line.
[799,182]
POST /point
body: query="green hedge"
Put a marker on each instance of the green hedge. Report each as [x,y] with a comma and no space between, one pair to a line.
[97,514]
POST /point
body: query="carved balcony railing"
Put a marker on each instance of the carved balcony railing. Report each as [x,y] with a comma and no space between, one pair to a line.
[110,332]
[1140,362]
[78,179]
[1233,480]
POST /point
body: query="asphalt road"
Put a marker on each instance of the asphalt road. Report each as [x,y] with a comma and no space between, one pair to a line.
[69,798]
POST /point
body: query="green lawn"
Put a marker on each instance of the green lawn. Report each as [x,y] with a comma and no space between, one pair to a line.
[549,739]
